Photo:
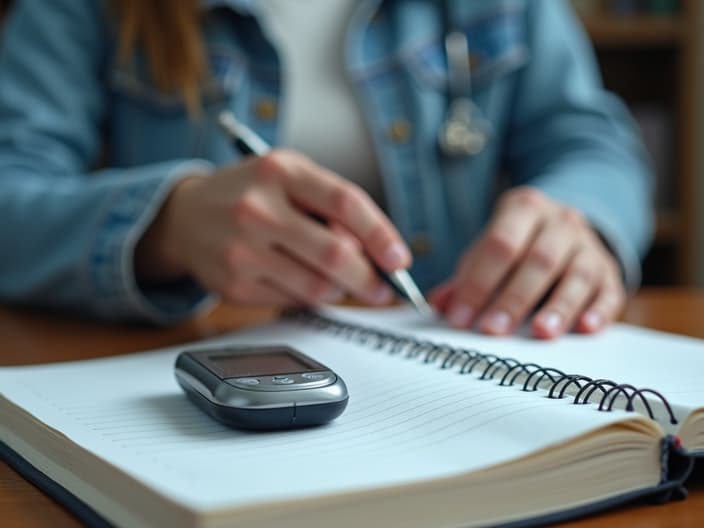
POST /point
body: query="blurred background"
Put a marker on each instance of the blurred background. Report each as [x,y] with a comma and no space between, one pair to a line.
[651,53]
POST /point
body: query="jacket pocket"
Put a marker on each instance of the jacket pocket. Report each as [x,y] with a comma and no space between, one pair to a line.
[497,47]
[131,83]
[149,126]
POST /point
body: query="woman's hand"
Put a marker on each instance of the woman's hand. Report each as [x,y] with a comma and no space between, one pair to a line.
[533,248]
[246,232]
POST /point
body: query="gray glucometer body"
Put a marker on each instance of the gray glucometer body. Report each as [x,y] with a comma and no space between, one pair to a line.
[261,387]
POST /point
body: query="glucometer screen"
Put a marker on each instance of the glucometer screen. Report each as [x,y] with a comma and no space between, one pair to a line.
[268,363]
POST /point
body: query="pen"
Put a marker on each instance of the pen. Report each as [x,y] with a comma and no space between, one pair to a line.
[249,143]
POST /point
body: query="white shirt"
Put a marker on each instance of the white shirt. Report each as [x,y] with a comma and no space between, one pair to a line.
[319,113]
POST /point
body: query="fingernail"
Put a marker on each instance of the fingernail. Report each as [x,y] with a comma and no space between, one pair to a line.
[592,320]
[396,255]
[498,322]
[381,295]
[552,321]
[460,315]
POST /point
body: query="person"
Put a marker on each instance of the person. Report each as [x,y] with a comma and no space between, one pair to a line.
[122,198]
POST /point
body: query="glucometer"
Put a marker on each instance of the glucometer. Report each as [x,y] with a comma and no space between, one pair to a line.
[261,387]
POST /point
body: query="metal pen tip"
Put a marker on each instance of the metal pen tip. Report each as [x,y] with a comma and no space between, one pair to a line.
[404,282]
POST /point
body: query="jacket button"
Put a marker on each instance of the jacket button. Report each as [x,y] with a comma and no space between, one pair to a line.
[400,131]
[265,109]
[421,244]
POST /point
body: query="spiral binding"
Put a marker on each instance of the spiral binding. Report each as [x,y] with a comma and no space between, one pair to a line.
[508,371]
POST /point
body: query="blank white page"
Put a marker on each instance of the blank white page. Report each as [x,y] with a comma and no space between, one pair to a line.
[405,422]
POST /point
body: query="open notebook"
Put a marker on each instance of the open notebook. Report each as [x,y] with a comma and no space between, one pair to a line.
[435,434]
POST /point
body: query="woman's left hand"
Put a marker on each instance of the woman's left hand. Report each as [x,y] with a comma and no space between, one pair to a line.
[535,254]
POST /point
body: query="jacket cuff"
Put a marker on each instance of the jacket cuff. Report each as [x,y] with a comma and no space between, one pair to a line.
[628,259]
[133,208]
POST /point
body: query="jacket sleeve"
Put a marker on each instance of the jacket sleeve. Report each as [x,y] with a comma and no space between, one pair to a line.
[577,142]
[68,234]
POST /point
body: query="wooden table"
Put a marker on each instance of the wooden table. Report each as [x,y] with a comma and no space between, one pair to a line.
[33,337]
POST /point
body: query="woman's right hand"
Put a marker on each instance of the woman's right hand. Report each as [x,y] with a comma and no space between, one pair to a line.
[247,233]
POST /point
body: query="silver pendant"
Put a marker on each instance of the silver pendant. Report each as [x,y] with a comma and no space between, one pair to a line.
[464,132]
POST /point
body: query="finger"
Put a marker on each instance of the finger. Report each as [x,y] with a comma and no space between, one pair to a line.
[263,215]
[236,283]
[488,262]
[320,191]
[248,264]
[341,231]
[299,281]
[606,307]
[255,293]
[333,256]
[542,263]
[577,287]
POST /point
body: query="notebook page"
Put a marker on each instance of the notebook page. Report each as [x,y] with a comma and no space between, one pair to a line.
[669,363]
[405,422]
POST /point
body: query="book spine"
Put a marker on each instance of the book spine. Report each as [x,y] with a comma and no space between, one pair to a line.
[676,465]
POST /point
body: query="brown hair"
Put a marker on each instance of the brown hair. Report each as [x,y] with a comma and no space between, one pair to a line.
[169,34]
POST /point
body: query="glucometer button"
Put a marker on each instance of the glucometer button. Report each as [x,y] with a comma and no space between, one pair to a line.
[247,381]
[282,380]
[313,376]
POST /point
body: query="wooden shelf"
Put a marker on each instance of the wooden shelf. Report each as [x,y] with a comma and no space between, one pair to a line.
[654,59]
[668,228]
[610,30]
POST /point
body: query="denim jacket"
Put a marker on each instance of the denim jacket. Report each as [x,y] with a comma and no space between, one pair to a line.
[68,106]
